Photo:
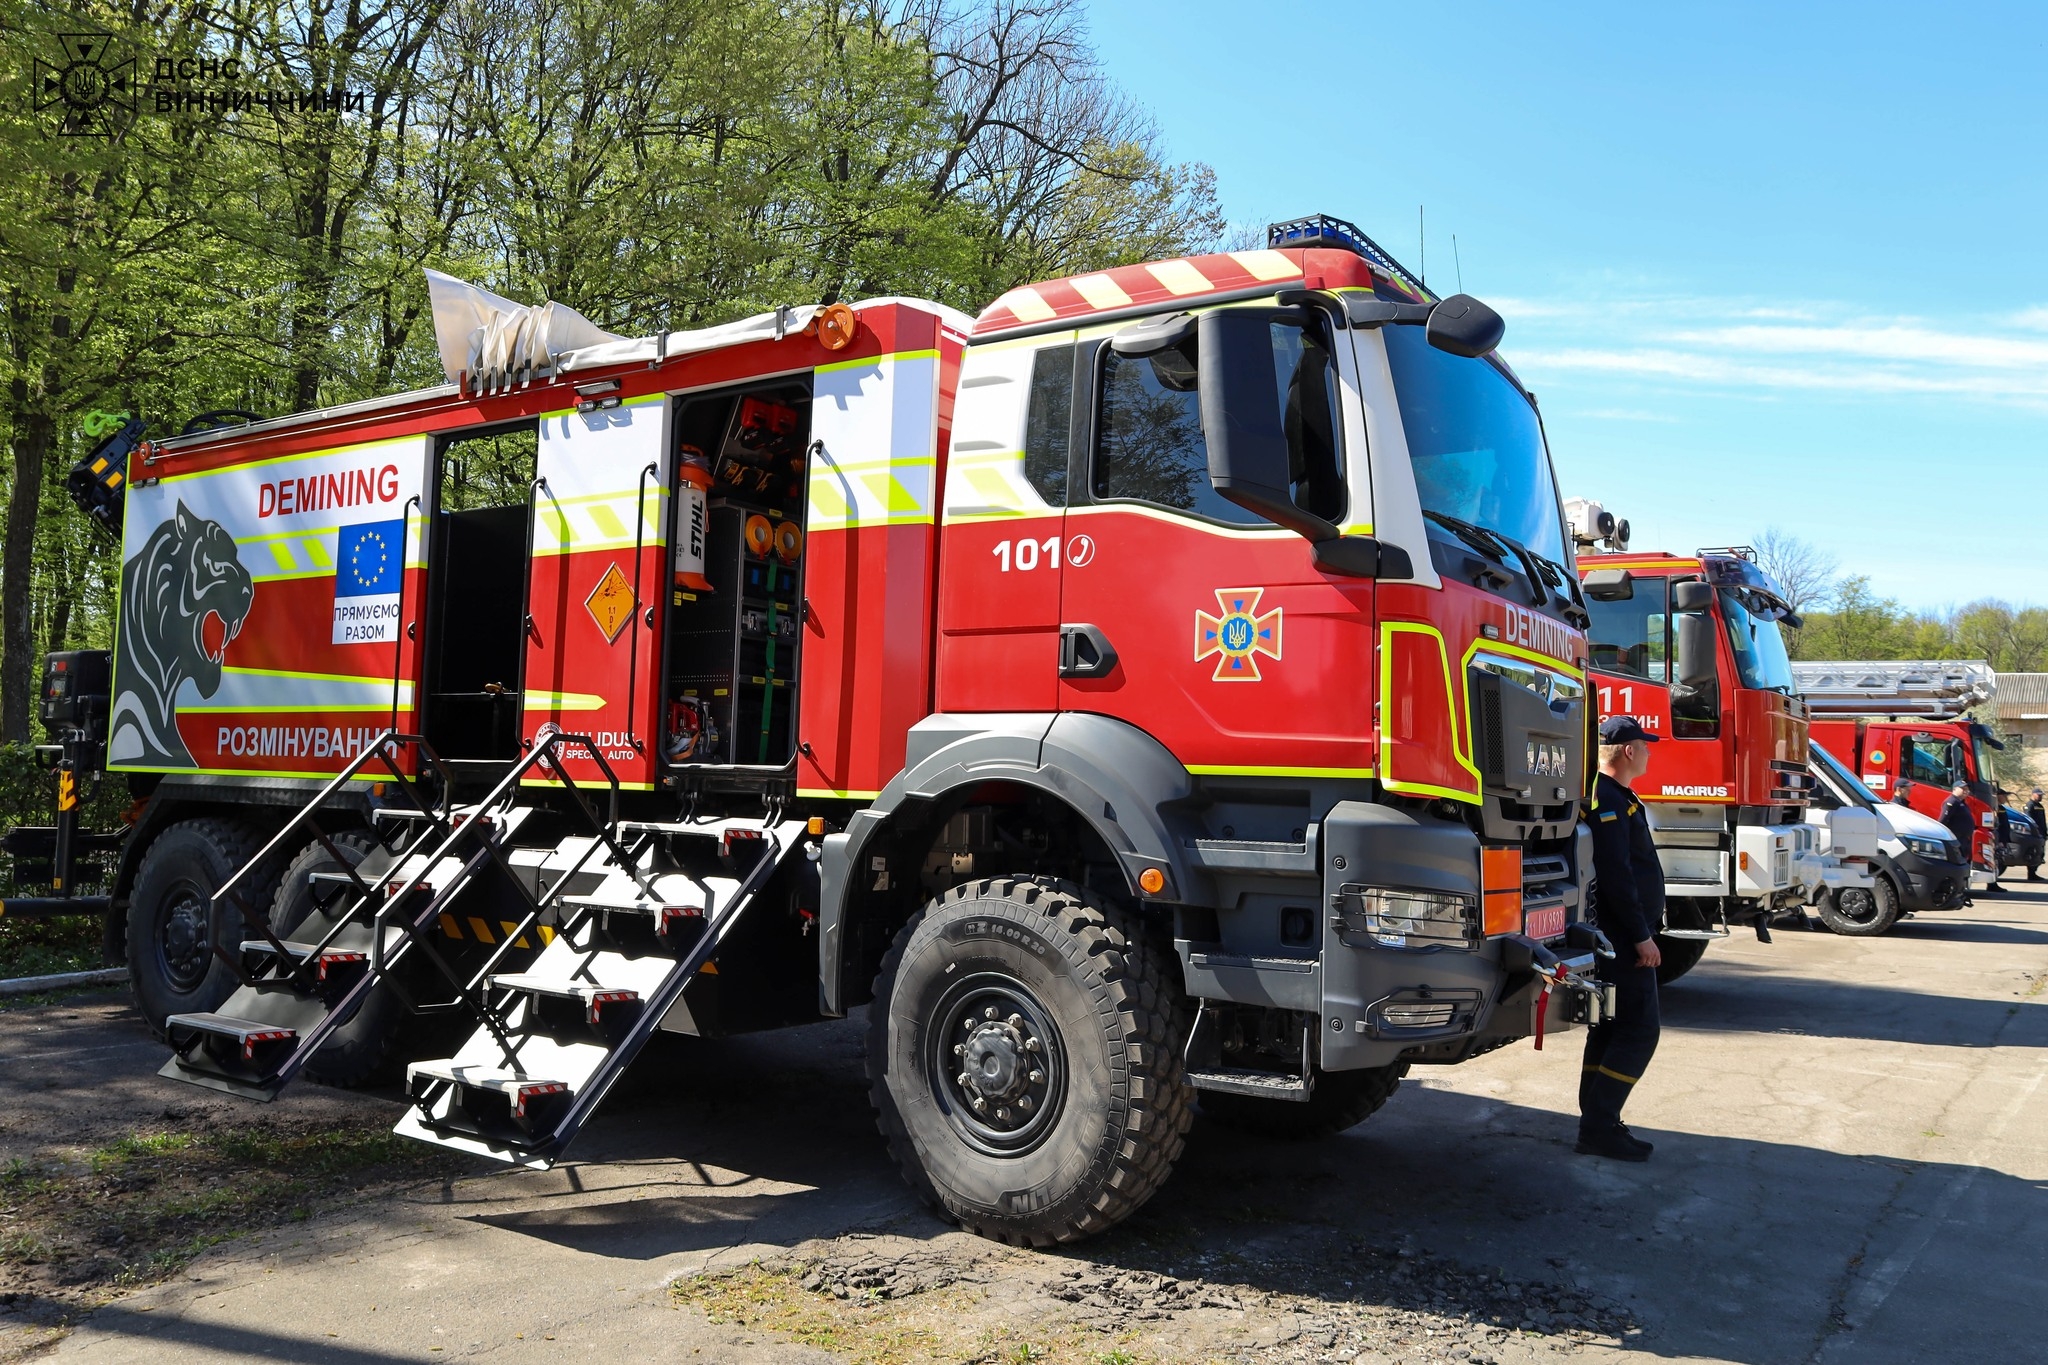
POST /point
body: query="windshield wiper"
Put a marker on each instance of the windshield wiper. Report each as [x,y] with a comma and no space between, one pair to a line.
[1500,547]
[1473,534]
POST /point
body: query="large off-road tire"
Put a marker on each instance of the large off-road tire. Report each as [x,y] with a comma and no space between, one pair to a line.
[1861,914]
[1060,1011]
[1340,1100]
[355,1052]
[171,924]
[1681,955]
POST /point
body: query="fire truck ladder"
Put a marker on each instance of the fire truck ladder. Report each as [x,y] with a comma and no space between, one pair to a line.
[1932,689]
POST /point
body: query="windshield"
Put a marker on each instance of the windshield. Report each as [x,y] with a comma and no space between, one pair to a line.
[1841,776]
[1475,443]
[1760,659]
[1984,770]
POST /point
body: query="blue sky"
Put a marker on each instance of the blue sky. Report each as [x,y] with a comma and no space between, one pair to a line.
[1763,268]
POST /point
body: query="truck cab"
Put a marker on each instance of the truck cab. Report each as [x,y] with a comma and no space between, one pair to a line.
[1902,727]
[1690,646]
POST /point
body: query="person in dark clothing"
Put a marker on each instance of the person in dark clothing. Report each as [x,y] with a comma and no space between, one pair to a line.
[2039,815]
[1955,813]
[1628,902]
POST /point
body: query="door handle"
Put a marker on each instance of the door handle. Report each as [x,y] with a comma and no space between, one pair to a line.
[1085,652]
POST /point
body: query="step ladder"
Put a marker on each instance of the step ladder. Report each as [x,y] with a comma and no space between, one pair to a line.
[296,992]
[370,918]
[559,1033]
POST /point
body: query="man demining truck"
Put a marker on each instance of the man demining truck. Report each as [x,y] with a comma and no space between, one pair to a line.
[1165,689]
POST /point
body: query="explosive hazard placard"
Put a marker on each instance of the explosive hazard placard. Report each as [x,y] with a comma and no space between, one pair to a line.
[368,571]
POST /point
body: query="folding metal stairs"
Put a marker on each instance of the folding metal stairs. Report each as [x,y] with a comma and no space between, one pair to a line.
[558,1034]
[628,915]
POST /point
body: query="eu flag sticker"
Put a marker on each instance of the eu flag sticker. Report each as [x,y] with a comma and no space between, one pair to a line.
[368,569]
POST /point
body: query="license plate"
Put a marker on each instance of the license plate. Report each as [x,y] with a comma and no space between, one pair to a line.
[1545,923]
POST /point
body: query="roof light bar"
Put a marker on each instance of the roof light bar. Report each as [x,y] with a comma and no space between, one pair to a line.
[1320,229]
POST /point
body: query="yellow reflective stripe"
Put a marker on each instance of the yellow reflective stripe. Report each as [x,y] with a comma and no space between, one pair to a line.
[1237,770]
[307,708]
[835,794]
[1388,630]
[1483,645]
[481,930]
[877,360]
[1610,1071]
[564,701]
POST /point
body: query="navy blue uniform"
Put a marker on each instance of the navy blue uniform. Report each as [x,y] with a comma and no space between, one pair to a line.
[1628,904]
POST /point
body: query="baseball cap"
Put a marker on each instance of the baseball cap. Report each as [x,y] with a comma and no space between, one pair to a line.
[1624,730]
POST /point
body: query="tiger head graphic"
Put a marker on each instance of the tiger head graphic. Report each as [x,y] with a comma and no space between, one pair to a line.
[184,597]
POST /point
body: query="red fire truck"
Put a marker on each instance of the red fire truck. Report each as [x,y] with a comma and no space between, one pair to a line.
[1901,726]
[1689,645]
[1167,687]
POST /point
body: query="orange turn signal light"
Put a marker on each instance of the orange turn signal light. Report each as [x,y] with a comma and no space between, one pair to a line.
[836,325]
[1152,881]
[1501,912]
[816,826]
[1500,884]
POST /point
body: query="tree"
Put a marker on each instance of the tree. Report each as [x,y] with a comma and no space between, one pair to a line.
[1805,572]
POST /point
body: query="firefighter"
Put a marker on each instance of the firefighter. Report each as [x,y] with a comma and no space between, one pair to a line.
[1955,813]
[2039,815]
[1628,897]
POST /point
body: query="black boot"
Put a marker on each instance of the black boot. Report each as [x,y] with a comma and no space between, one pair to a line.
[1647,1147]
[1613,1143]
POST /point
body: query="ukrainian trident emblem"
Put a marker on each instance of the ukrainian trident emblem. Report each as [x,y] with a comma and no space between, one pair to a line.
[1238,636]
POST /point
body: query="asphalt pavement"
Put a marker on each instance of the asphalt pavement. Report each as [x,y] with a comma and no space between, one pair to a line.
[1852,1144]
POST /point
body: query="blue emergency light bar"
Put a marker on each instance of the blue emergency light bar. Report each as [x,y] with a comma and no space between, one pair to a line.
[1321,230]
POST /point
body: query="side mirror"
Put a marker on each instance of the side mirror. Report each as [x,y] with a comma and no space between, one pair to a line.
[1693,636]
[1692,596]
[1154,334]
[1464,326]
[1243,422]
[1609,585]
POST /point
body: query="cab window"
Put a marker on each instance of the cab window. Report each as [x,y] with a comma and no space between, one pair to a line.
[1148,430]
[1631,636]
[1929,760]
[1046,419]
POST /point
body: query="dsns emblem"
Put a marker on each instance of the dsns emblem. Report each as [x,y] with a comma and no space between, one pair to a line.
[1238,636]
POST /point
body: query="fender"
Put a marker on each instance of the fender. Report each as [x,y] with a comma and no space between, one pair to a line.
[1118,778]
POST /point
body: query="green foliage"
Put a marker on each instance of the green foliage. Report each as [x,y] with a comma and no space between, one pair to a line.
[652,163]
[1859,624]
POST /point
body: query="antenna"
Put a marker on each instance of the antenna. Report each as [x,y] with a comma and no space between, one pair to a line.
[1422,246]
[1458,263]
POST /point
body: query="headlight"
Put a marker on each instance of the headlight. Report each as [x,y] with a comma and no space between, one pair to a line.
[1941,850]
[1392,917]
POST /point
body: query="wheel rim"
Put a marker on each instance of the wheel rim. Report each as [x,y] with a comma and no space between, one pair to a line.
[997,1064]
[1857,906]
[181,937]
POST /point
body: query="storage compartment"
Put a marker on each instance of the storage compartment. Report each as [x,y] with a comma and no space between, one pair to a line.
[735,595]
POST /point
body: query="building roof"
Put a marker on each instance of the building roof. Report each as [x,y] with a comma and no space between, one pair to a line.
[2022,694]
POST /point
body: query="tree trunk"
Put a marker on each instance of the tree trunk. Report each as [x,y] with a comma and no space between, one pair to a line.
[33,431]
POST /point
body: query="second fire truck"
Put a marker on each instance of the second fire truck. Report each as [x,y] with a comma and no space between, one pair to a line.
[1690,646]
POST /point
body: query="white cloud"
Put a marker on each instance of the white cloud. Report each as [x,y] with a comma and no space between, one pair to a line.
[1689,342]
[1624,415]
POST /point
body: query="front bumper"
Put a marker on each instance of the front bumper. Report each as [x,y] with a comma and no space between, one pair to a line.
[1930,883]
